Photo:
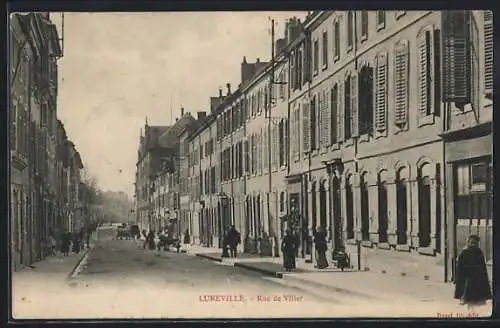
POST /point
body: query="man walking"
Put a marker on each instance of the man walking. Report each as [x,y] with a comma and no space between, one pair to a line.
[234,239]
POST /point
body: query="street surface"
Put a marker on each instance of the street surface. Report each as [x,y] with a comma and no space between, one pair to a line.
[120,279]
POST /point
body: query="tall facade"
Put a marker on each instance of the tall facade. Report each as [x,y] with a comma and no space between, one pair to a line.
[35,139]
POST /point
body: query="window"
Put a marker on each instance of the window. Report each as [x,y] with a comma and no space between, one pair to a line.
[488,53]
[350,30]
[281,143]
[336,45]
[347,108]
[334,102]
[475,78]
[380,19]
[365,120]
[401,80]
[455,57]
[381,93]
[315,56]
[286,146]
[312,121]
[292,70]
[281,86]
[282,201]
[364,25]
[201,152]
[425,51]
[299,81]
[213,188]
[325,49]
[472,195]
[325,119]
[247,157]
[306,128]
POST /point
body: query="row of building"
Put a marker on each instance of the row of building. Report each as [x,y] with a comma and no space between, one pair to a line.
[375,125]
[45,186]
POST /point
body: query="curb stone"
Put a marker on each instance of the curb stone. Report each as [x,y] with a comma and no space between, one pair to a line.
[79,262]
[270,273]
[209,257]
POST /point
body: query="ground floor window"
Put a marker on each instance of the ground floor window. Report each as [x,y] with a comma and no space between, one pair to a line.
[349,208]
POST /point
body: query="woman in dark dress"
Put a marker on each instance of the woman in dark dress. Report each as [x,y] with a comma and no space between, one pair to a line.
[289,249]
[65,243]
[321,247]
[472,286]
[150,240]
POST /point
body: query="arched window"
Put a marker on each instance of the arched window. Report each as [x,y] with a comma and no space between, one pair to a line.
[349,208]
[424,206]
[402,206]
[365,210]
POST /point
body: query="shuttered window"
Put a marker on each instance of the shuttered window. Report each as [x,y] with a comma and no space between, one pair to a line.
[265,149]
[281,86]
[354,105]
[475,76]
[315,56]
[306,128]
[488,51]
[292,71]
[425,72]
[325,49]
[260,148]
[297,134]
[380,19]
[285,141]
[381,93]
[321,116]
[275,148]
[350,29]
[254,154]
[456,78]
[336,41]
[334,102]
[364,25]
[313,123]
[247,157]
[326,118]
[365,98]
[401,82]
[347,109]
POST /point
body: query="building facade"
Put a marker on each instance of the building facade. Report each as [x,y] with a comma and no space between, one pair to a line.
[37,139]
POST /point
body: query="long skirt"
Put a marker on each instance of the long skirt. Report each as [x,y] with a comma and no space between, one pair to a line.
[321,260]
[289,260]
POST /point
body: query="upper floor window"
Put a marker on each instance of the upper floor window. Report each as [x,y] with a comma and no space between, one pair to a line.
[336,41]
[400,13]
[325,49]
[364,25]
[315,56]
[334,104]
[350,30]
[381,93]
[365,100]
[401,83]
[380,19]
[428,68]
[488,53]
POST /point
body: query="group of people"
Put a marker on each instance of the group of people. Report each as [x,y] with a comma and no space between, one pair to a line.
[154,241]
[68,242]
[472,286]
[290,248]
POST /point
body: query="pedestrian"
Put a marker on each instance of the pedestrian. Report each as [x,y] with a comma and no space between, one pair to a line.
[225,242]
[320,248]
[472,286]
[234,239]
[186,237]
[150,240]
[65,243]
[289,249]
[76,243]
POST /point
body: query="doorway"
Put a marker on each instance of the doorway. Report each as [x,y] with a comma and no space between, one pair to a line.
[337,215]
[365,211]
[424,211]
[382,211]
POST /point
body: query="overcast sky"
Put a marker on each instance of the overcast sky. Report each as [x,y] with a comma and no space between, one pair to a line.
[119,68]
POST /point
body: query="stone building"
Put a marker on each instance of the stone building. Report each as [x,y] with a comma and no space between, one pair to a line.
[367,138]
[36,138]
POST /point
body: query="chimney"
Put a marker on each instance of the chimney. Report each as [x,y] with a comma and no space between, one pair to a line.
[228,85]
[201,115]
[220,93]
[182,111]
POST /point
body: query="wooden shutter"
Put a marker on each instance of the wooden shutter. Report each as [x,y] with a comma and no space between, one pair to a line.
[327,117]
[306,127]
[317,126]
[401,83]
[285,141]
[354,105]
[381,92]
[488,51]
[275,148]
[455,31]
[423,70]
[340,112]
[292,71]
[296,137]
[333,113]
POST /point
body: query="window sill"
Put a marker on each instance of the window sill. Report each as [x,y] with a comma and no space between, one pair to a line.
[325,66]
[426,251]
[400,14]
[349,142]
[403,248]
[384,246]
[349,48]
[425,120]
[336,58]
[380,27]
[364,138]
[380,134]
[363,38]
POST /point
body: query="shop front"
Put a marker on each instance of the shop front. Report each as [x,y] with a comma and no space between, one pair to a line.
[469,177]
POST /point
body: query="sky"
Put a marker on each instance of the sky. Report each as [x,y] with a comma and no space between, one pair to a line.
[119,68]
